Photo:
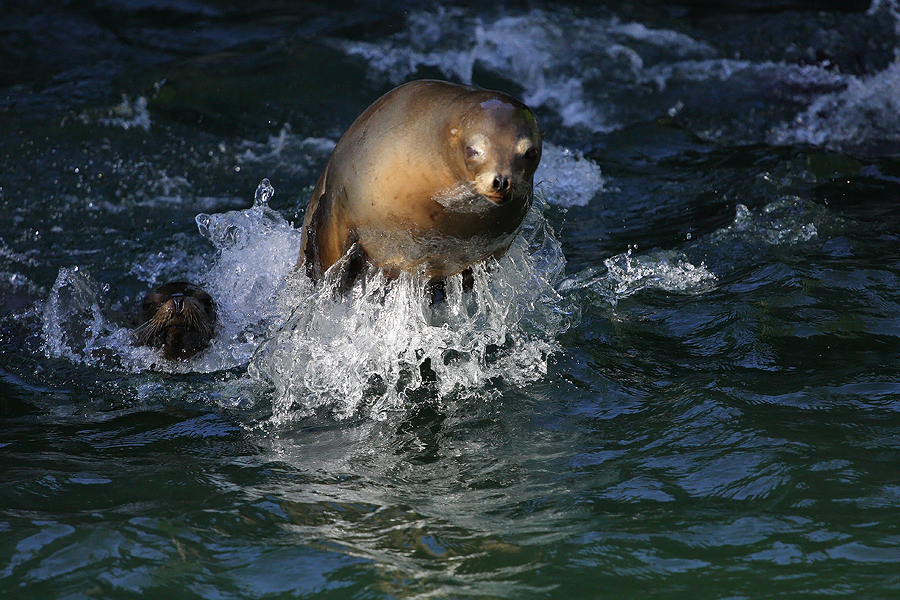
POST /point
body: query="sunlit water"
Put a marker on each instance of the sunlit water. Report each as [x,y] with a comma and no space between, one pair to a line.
[680,382]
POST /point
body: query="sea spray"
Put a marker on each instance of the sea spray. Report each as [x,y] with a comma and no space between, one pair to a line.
[363,352]
[366,351]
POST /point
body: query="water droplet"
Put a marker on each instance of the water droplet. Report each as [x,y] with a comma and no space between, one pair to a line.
[264,193]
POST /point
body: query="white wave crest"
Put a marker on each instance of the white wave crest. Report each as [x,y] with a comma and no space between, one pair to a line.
[546,53]
[863,115]
[627,274]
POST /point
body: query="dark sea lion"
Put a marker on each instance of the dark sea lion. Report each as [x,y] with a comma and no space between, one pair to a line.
[177,317]
[433,176]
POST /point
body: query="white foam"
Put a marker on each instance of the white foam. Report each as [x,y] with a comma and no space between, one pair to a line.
[600,74]
[285,149]
[786,221]
[567,178]
[550,54]
[628,273]
[128,114]
[365,352]
[74,326]
[865,113]
[362,353]
[256,250]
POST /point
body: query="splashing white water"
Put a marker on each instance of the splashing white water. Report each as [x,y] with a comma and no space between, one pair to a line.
[129,114]
[284,150]
[783,223]
[567,178]
[627,273]
[75,325]
[257,249]
[366,351]
[863,115]
[600,74]
[544,52]
[360,353]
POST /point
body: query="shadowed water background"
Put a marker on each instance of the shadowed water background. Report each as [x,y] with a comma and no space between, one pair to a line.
[682,382]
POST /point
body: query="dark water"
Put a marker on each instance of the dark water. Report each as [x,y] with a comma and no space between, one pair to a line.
[682,383]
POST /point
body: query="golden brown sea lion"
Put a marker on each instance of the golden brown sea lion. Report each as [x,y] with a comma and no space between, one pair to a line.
[178,317]
[433,175]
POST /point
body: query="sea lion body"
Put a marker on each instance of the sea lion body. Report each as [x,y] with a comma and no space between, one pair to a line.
[177,317]
[433,176]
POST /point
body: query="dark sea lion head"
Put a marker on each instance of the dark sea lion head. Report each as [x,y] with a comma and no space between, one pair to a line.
[498,144]
[177,317]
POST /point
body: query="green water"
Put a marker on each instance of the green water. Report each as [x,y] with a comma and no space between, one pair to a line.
[721,418]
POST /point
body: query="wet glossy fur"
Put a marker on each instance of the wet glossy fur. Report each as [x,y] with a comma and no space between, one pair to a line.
[433,176]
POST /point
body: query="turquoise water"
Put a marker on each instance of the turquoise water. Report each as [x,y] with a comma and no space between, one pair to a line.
[681,382]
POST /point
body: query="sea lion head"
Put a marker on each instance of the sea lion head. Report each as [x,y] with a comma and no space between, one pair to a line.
[498,145]
[177,317]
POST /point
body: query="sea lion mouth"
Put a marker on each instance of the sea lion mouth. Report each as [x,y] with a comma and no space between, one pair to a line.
[498,198]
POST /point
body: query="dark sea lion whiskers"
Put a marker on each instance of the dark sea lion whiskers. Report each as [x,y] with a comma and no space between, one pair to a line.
[177,317]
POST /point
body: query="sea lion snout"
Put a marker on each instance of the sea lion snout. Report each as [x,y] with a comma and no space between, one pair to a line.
[501,190]
[178,318]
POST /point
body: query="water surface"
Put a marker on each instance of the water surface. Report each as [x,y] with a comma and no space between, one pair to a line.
[681,382]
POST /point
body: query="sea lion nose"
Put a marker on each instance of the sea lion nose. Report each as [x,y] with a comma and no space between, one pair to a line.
[178,299]
[501,183]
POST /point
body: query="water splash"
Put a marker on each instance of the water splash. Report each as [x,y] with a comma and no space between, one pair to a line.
[782,224]
[256,251]
[74,324]
[567,178]
[861,117]
[365,353]
[600,74]
[128,114]
[627,274]
[544,52]
[284,149]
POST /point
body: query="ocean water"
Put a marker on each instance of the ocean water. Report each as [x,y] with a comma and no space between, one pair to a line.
[681,381]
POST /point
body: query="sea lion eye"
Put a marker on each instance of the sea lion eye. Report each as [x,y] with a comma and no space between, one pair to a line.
[471,152]
[531,153]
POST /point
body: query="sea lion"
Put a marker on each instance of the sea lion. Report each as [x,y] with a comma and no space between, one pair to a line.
[178,317]
[433,176]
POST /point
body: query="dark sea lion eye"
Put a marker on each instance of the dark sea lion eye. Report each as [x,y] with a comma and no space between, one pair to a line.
[531,153]
[471,152]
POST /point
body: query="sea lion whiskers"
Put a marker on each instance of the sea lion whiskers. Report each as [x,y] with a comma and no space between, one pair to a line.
[177,317]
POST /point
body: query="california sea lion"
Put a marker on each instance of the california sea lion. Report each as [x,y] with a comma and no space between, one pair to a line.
[433,175]
[178,317]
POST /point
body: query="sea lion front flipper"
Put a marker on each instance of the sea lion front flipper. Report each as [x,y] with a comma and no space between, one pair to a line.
[309,242]
[345,272]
